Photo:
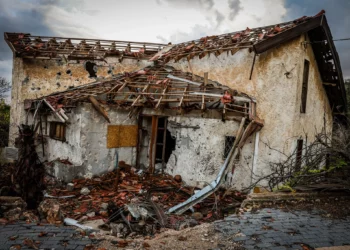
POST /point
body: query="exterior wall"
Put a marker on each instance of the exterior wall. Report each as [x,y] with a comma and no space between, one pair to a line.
[33,78]
[86,144]
[198,154]
[278,98]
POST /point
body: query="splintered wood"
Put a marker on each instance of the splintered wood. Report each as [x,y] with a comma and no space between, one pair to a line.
[122,136]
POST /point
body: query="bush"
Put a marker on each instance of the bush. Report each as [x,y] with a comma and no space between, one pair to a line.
[4,123]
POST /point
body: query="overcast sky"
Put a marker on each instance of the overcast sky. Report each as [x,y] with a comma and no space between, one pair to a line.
[161,20]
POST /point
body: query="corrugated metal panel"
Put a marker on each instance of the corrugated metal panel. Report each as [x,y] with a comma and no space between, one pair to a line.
[122,136]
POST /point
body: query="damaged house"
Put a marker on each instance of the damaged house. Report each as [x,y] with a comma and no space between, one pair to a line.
[219,108]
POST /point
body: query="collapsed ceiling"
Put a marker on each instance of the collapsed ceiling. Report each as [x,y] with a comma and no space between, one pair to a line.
[157,87]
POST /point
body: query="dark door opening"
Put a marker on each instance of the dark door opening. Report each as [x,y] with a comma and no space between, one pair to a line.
[165,143]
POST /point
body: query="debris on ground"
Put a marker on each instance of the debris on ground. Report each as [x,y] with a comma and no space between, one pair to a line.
[50,210]
[134,204]
[11,208]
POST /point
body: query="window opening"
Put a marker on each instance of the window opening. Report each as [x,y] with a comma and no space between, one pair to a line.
[299,156]
[58,131]
[229,141]
[304,86]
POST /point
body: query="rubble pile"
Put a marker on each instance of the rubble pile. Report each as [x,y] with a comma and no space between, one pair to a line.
[133,202]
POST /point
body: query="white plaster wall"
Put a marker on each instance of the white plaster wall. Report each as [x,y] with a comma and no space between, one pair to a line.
[69,149]
[96,157]
[278,97]
[198,155]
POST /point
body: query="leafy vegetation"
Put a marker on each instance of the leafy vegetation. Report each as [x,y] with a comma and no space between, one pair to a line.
[5,87]
[4,123]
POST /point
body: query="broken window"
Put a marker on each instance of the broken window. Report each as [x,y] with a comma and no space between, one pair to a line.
[229,140]
[299,154]
[304,86]
[58,131]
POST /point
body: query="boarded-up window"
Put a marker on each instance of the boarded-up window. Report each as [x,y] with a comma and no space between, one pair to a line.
[122,136]
[304,86]
[58,131]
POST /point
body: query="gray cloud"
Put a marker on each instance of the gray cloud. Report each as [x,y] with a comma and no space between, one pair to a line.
[203,4]
[31,17]
[235,8]
[219,17]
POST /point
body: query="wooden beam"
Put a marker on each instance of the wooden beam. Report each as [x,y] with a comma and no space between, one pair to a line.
[182,97]
[329,84]
[287,35]
[139,96]
[99,108]
[160,98]
[152,145]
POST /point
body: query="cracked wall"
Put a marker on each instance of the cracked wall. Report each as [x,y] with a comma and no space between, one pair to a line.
[198,154]
[33,78]
[86,144]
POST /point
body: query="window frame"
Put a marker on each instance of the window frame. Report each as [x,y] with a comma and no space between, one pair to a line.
[62,131]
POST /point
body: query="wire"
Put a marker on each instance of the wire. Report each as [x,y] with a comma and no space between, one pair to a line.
[341,39]
[334,40]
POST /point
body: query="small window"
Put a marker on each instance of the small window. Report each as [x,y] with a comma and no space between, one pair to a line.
[304,86]
[229,140]
[299,154]
[58,131]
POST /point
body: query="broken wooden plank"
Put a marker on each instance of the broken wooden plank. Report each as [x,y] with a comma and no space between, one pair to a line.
[140,94]
[55,112]
[99,108]
[160,98]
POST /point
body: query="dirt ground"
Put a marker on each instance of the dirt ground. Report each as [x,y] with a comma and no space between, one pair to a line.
[201,237]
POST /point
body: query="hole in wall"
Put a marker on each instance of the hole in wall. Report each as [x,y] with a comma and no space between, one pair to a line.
[58,73]
[68,71]
[91,68]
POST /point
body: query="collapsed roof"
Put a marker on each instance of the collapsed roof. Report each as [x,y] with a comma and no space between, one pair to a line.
[258,40]
[157,87]
[28,46]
